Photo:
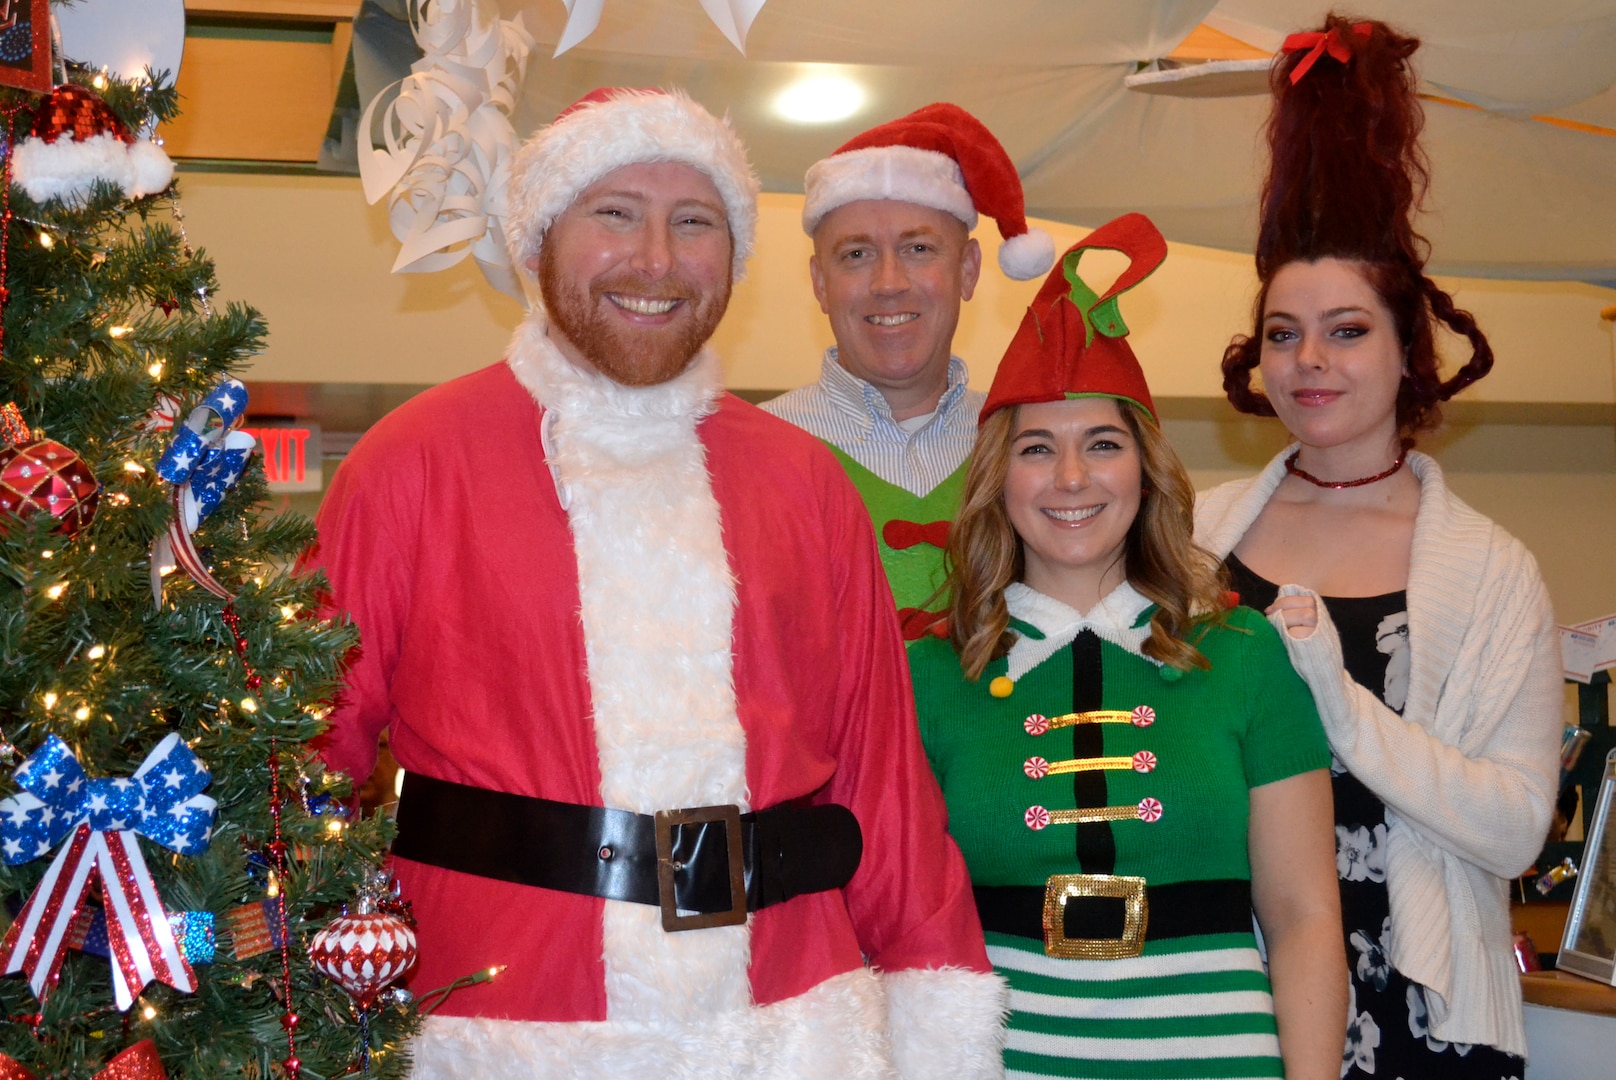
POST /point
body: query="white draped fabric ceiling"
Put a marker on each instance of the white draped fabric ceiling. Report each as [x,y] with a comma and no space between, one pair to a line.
[1523,143]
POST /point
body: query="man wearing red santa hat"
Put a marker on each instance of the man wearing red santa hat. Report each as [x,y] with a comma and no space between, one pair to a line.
[636,652]
[891,214]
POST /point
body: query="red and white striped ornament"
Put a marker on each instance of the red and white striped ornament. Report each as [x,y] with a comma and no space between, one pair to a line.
[364,952]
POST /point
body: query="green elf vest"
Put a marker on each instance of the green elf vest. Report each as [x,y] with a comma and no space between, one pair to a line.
[910,531]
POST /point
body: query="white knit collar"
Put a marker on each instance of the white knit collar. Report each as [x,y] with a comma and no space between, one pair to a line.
[1116,618]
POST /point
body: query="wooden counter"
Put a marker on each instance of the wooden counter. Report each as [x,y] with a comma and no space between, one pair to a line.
[1562,990]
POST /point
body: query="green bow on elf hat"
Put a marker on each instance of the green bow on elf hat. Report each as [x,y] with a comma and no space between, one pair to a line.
[1072,342]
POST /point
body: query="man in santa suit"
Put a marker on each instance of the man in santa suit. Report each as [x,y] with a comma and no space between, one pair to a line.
[596,592]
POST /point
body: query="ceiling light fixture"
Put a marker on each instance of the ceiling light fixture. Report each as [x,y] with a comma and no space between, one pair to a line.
[819,99]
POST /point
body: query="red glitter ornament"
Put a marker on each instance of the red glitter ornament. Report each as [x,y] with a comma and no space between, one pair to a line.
[79,114]
[364,952]
[38,474]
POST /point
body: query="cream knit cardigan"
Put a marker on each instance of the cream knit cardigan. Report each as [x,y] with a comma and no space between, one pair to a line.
[1468,771]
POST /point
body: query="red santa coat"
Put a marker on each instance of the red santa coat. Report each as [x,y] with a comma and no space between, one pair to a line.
[447,537]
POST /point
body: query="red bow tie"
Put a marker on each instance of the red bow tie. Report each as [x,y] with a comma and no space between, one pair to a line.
[907,534]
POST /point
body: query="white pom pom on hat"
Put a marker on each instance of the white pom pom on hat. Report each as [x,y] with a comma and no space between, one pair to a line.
[938,156]
[613,127]
[76,140]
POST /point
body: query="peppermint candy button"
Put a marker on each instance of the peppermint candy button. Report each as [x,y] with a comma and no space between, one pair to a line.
[1036,724]
[1037,818]
[1144,761]
[1035,767]
[1149,809]
[1143,716]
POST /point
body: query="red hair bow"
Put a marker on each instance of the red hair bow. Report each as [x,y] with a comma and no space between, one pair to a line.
[1318,44]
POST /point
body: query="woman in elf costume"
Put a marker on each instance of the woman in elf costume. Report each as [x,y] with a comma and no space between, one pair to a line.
[1433,656]
[1131,766]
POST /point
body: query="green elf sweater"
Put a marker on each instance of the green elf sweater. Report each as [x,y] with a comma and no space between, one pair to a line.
[910,531]
[1099,761]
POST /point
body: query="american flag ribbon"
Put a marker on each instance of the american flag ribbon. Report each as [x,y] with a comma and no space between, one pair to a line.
[204,460]
[100,819]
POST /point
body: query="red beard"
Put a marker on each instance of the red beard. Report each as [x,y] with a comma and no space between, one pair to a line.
[632,356]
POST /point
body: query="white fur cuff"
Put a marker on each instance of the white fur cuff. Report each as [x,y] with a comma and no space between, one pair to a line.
[947,1022]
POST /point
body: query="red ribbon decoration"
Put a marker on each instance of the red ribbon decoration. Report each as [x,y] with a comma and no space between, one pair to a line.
[139,1062]
[1318,44]
[907,534]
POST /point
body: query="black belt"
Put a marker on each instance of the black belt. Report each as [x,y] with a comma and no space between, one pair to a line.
[711,860]
[1183,909]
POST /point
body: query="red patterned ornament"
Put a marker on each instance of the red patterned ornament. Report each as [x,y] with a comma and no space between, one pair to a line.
[38,474]
[364,952]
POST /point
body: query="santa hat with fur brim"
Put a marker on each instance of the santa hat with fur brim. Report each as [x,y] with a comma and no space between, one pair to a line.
[76,140]
[942,157]
[1072,343]
[613,127]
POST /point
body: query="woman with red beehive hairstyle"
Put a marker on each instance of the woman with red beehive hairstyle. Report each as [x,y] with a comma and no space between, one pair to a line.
[1422,628]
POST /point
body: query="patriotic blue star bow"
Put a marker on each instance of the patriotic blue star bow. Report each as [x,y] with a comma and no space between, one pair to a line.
[100,819]
[203,462]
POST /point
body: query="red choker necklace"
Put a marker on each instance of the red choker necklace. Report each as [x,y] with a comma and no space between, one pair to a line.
[1337,485]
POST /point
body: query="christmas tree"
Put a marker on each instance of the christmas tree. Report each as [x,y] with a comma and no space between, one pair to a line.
[171,729]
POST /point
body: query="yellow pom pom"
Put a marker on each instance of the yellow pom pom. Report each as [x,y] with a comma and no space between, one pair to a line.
[1001,686]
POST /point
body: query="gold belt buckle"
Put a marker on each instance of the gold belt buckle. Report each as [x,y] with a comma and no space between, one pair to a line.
[664,823]
[1136,914]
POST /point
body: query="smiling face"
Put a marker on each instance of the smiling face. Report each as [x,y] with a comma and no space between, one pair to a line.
[1072,491]
[1332,363]
[635,274]
[891,276]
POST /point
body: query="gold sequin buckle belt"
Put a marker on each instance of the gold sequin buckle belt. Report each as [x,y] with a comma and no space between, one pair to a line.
[1110,917]
[1061,889]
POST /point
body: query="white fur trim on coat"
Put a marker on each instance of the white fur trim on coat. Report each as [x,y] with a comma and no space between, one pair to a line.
[651,569]
[833,1032]
[947,1022]
[905,173]
[632,127]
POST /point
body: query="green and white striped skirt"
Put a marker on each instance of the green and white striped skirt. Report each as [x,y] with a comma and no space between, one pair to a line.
[1187,1007]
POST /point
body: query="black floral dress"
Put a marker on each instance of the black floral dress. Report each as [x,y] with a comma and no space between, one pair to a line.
[1387,1031]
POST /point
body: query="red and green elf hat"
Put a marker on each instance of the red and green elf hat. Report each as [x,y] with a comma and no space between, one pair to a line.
[1072,342]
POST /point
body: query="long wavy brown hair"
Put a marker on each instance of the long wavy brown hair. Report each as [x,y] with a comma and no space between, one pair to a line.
[1346,176]
[1161,558]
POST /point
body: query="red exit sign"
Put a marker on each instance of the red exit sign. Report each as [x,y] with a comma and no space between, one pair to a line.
[291,455]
